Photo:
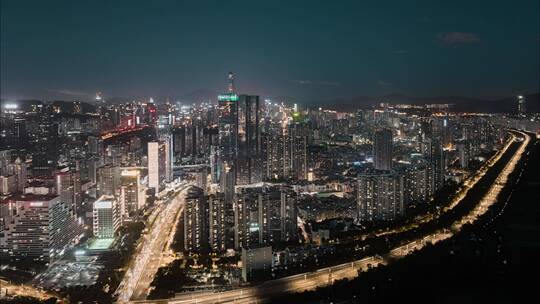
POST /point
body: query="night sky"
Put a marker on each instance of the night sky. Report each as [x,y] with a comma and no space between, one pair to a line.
[301,50]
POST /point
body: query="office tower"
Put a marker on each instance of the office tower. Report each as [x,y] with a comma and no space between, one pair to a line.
[249,140]
[133,192]
[218,224]
[39,227]
[107,218]
[195,221]
[264,215]
[157,165]
[382,149]
[522,105]
[228,132]
[108,180]
[379,197]
[256,262]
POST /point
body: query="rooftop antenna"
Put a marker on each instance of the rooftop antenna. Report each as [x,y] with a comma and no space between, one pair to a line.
[230,87]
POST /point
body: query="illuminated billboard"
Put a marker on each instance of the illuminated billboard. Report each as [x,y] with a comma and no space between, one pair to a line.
[227,97]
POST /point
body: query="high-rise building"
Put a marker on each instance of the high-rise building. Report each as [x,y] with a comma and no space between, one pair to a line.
[416,183]
[195,221]
[8,184]
[264,215]
[39,227]
[95,146]
[228,132]
[249,140]
[218,224]
[256,262]
[158,163]
[296,152]
[463,154]
[447,133]
[435,155]
[133,192]
[107,218]
[522,105]
[382,149]
[274,143]
[379,196]
[19,170]
[68,187]
[227,181]
[5,160]
[13,173]
[108,180]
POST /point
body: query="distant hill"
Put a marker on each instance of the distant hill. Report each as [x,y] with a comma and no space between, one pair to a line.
[460,104]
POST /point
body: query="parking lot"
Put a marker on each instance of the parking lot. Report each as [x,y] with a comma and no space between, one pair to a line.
[67,274]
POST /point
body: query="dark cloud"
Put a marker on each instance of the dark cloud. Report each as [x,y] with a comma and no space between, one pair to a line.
[317,82]
[457,38]
[383,83]
[400,52]
[69,92]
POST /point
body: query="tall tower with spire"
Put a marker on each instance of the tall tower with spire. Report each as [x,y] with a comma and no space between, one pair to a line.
[228,135]
[522,108]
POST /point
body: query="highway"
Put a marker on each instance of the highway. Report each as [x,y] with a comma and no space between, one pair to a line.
[461,193]
[325,276]
[149,254]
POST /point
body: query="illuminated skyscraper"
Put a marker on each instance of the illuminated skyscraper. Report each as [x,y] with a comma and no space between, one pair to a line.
[228,133]
[157,165]
[522,105]
[132,192]
[107,219]
[195,221]
[217,222]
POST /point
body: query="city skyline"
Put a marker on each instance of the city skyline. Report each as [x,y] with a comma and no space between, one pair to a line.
[323,153]
[302,52]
